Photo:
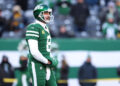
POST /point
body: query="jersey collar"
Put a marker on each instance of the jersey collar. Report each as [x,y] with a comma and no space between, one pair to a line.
[43,25]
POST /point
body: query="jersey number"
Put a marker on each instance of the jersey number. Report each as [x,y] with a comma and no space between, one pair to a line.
[48,43]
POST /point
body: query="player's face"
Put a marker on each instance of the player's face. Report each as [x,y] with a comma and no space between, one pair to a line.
[110,20]
[46,16]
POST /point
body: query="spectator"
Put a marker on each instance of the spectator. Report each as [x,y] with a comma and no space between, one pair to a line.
[63,33]
[80,13]
[67,20]
[22,73]
[87,71]
[2,23]
[64,72]
[110,28]
[118,71]
[110,9]
[17,20]
[6,71]
[118,5]
[64,6]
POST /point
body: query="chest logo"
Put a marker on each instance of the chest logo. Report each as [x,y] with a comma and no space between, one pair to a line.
[43,32]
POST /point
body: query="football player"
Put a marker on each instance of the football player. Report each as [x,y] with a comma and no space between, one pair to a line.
[39,42]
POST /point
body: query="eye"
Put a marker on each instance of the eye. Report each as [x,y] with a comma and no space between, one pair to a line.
[47,12]
[50,13]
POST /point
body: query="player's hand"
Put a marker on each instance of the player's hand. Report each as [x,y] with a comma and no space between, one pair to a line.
[53,61]
[49,62]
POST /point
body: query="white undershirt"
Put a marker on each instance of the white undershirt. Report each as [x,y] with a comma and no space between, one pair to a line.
[33,45]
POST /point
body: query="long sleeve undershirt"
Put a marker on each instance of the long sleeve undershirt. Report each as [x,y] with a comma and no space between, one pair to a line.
[33,45]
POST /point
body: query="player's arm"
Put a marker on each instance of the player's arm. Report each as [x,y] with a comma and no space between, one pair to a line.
[33,45]
[32,36]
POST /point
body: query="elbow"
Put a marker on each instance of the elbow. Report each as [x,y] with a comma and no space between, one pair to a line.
[33,53]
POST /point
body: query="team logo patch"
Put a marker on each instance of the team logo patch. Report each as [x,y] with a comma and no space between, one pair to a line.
[40,68]
[43,32]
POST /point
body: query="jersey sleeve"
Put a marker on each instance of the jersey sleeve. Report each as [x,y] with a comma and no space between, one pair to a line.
[32,32]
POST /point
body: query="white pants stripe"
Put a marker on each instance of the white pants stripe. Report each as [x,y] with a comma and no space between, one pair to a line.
[48,73]
[34,74]
[24,80]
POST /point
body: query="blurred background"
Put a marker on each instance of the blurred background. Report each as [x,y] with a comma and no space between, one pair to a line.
[86,41]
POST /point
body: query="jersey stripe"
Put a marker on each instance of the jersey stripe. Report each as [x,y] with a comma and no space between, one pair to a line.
[48,73]
[34,73]
[32,35]
[32,32]
[24,82]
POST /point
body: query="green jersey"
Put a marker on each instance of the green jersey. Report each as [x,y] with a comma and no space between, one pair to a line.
[109,28]
[39,32]
[23,77]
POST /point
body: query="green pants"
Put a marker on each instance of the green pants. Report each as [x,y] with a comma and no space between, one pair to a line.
[38,73]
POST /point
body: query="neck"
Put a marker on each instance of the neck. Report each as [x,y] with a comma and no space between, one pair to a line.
[41,22]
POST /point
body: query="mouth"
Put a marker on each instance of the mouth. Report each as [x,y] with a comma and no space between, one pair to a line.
[47,18]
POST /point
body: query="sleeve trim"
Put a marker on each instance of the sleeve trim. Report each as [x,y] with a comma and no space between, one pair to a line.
[32,32]
[32,35]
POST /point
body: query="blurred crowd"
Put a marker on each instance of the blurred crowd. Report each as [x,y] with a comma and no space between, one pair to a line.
[72,18]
